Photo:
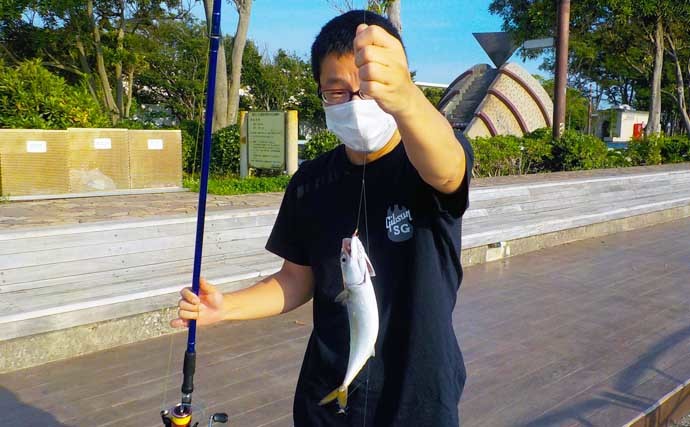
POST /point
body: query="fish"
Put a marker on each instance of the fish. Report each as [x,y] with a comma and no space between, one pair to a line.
[362,310]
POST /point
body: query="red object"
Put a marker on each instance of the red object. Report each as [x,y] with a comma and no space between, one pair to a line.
[638,129]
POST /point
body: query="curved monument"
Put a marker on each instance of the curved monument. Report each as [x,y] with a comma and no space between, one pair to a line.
[485,101]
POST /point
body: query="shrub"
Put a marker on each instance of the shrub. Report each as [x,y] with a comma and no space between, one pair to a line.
[496,156]
[618,159]
[225,151]
[321,142]
[675,149]
[225,148]
[34,98]
[575,151]
[192,136]
[646,151]
[537,151]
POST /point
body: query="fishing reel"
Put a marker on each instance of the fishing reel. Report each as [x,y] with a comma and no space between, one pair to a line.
[181,416]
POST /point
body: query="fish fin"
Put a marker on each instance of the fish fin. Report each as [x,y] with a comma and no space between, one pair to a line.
[343,297]
[340,394]
[370,267]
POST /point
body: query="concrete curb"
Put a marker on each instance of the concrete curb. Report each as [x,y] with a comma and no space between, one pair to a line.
[98,194]
[25,352]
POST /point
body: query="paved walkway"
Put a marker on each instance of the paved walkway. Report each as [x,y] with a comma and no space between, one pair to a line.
[80,210]
[586,334]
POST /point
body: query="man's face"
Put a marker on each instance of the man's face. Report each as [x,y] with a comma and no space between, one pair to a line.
[339,77]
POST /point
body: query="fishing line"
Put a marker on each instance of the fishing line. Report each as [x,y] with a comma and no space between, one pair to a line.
[366,232]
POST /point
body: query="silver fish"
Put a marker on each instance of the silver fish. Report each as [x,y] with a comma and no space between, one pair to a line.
[362,311]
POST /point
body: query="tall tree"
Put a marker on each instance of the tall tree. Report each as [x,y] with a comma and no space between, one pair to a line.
[220,100]
[244,9]
[678,47]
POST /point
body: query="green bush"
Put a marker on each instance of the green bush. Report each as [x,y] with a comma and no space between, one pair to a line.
[537,151]
[510,155]
[675,149]
[192,136]
[233,185]
[575,151]
[320,143]
[646,151]
[618,159]
[32,97]
[225,149]
[497,156]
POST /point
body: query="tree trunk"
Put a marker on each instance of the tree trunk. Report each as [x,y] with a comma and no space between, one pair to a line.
[393,12]
[119,76]
[220,101]
[86,69]
[130,92]
[244,8]
[680,84]
[109,101]
[654,121]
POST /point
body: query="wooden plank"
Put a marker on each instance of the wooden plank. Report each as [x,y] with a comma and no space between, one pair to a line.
[148,271]
[56,305]
[72,268]
[136,231]
[127,224]
[87,252]
[609,200]
[471,238]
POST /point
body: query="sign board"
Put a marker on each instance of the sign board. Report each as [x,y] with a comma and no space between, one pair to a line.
[36,147]
[266,140]
[102,144]
[155,144]
[539,43]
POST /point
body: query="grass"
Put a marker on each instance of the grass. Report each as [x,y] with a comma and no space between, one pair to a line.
[233,185]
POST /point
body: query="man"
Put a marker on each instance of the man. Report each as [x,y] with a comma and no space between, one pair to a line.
[416,178]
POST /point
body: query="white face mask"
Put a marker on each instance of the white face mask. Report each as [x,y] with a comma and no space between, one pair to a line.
[361,125]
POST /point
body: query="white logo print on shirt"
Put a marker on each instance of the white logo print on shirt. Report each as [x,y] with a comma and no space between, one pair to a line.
[399,224]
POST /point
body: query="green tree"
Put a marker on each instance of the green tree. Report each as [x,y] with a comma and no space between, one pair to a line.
[94,41]
[617,44]
[175,69]
[282,83]
[32,97]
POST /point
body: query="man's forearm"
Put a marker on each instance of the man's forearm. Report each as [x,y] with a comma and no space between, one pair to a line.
[431,144]
[269,297]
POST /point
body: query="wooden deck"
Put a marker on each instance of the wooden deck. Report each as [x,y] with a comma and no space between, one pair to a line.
[586,334]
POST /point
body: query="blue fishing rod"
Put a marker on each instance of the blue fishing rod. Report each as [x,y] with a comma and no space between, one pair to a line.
[181,414]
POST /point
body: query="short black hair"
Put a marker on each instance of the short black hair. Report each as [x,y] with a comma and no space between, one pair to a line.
[338,34]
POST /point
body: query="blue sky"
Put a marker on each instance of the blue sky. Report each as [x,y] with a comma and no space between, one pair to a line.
[437,33]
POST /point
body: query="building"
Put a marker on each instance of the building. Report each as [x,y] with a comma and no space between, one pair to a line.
[620,124]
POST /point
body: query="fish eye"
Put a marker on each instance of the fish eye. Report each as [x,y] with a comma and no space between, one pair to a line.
[343,259]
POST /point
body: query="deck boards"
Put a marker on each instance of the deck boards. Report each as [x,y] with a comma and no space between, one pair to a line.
[585,334]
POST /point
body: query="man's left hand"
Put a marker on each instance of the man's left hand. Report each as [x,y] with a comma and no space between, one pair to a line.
[383,71]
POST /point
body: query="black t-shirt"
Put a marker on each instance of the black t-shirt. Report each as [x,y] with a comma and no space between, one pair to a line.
[413,241]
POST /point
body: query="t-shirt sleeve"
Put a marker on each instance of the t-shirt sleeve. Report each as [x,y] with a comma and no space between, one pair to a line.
[285,240]
[458,202]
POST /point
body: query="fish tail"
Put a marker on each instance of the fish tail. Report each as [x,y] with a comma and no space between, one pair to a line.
[340,394]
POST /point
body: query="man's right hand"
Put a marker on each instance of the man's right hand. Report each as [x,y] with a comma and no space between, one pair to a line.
[207,308]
